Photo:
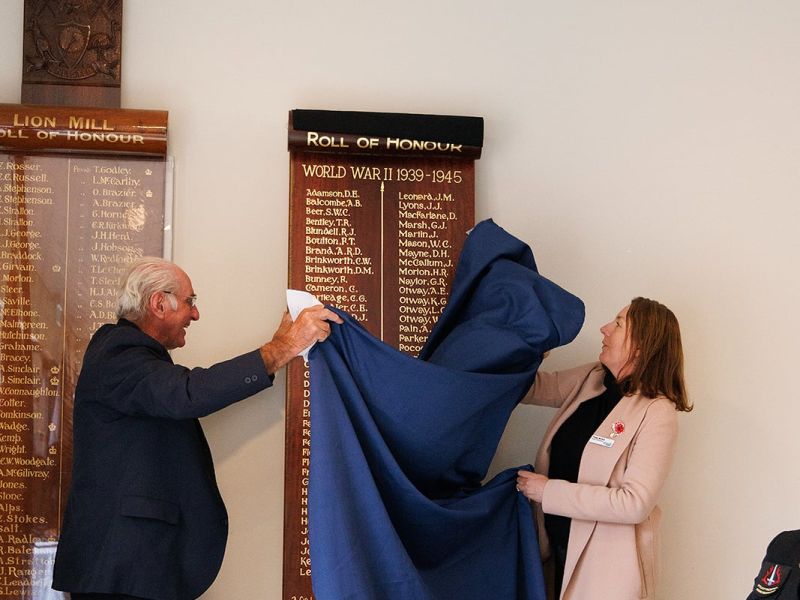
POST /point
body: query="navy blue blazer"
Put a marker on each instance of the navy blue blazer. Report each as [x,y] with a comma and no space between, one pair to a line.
[144,515]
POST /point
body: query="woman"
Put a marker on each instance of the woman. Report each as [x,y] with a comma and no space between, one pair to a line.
[606,455]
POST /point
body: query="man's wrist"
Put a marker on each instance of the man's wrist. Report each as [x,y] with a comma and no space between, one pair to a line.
[275,355]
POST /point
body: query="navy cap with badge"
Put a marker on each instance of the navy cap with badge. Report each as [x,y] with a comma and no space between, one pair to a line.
[779,577]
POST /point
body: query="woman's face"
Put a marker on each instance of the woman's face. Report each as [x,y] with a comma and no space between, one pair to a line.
[616,345]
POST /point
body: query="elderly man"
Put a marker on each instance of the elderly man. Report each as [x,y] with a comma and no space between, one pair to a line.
[144,517]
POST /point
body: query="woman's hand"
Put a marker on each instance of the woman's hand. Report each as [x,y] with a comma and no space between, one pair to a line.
[531,485]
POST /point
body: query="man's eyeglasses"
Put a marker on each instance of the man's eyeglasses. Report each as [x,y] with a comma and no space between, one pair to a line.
[191,300]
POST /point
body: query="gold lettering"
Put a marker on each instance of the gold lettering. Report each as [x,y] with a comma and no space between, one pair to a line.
[33,121]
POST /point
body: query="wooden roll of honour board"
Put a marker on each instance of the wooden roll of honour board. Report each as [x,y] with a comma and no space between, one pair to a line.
[82,193]
[379,207]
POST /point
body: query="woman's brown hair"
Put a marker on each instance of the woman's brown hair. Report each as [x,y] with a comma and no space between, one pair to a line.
[656,353]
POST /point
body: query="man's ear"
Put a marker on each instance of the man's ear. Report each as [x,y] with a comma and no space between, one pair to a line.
[158,305]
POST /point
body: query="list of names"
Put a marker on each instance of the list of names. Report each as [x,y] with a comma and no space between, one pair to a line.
[379,238]
[69,226]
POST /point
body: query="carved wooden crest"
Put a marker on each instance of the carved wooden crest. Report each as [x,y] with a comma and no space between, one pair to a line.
[71,40]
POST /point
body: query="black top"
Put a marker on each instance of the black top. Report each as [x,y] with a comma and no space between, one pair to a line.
[568,444]
[435,128]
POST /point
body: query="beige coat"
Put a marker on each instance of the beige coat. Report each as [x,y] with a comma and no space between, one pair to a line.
[614,539]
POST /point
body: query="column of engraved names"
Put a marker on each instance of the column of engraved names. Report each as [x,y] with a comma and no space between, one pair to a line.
[425,263]
[304,553]
[110,212]
[31,300]
[335,261]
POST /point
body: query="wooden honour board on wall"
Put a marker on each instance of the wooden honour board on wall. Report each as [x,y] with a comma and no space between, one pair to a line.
[82,193]
[379,207]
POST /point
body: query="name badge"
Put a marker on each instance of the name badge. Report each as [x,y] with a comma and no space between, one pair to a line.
[601,441]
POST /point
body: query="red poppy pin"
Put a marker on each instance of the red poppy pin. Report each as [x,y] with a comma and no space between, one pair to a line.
[617,428]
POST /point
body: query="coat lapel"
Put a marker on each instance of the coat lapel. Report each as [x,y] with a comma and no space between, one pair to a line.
[597,466]
[598,462]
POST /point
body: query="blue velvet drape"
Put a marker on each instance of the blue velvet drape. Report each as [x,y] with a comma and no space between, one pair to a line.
[400,445]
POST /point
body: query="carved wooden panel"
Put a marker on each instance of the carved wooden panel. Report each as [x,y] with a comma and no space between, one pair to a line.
[377,218]
[72,52]
[75,209]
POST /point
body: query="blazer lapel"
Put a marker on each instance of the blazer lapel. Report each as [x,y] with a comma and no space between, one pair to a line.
[598,462]
[597,466]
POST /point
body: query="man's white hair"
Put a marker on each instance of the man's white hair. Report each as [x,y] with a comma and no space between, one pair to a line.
[145,277]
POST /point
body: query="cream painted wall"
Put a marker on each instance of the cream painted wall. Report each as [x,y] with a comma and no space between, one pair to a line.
[643,148]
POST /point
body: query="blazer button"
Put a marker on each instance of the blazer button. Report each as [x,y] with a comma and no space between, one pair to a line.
[247,380]
[255,378]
